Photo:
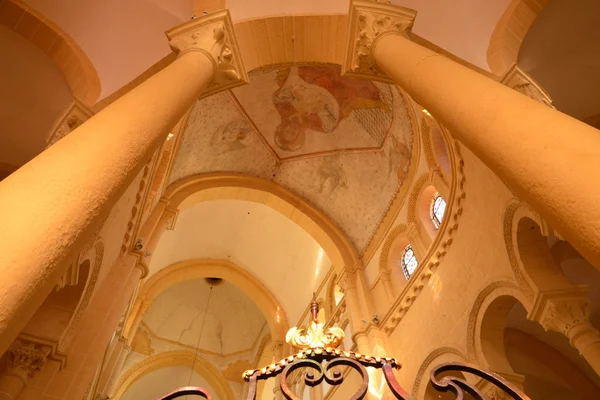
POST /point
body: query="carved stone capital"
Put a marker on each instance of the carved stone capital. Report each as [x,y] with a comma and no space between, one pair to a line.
[213,35]
[26,358]
[564,311]
[73,117]
[368,21]
[515,78]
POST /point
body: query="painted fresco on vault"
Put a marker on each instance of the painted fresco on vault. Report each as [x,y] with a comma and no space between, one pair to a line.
[317,109]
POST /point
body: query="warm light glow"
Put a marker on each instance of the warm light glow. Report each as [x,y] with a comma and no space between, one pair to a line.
[376,380]
[170,136]
[277,315]
[319,262]
[426,112]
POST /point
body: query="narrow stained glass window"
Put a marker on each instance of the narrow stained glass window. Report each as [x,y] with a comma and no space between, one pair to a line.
[409,262]
[438,206]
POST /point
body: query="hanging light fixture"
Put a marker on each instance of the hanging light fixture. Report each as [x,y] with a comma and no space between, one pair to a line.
[189,389]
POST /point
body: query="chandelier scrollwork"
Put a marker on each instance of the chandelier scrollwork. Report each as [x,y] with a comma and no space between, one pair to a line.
[321,361]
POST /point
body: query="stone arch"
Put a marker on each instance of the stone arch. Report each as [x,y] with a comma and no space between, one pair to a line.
[421,381]
[77,68]
[56,319]
[171,359]
[98,256]
[203,268]
[491,304]
[210,186]
[509,33]
[532,262]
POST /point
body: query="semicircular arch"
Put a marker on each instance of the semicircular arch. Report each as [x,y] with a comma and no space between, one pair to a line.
[52,40]
[174,359]
[228,271]
[212,186]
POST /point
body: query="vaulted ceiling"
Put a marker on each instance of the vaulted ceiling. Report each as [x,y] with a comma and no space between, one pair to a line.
[123,38]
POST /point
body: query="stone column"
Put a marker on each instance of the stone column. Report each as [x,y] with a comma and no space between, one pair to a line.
[541,154]
[52,206]
[24,360]
[113,367]
[567,312]
[354,308]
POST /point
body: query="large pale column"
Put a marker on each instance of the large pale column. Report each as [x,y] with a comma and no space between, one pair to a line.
[543,155]
[23,361]
[567,312]
[51,206]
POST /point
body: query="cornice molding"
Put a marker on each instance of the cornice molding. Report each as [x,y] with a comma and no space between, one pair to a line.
[212,35]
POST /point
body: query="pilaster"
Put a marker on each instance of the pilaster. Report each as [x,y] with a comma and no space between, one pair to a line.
[369,21]
[214,36]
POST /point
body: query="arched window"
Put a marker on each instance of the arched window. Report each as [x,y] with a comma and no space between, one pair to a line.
[409,262]
[438,206]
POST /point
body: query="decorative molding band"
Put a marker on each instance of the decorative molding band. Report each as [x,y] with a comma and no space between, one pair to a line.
[476,311]
[438,249]
[214,36]
[427,362]
[369,21]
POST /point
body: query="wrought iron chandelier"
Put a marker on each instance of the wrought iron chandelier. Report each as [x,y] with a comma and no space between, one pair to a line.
[320,356]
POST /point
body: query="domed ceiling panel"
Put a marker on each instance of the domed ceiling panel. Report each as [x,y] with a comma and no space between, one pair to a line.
[232,323]
[343,144]
[306,109]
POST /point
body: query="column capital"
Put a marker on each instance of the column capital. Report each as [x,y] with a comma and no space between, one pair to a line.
[26,358]
[213,35]
[517,79]
[368,21]
[563,311]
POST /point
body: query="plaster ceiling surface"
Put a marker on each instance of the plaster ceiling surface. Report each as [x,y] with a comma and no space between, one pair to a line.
[345,145]
[561,52]
[162,381]
[462,27]
[271,247]
[228,323]
[123,38]
[30,85]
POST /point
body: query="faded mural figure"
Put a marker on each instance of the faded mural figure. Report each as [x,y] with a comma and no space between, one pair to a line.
[317,98]
[231,136]
[399,159]
[331,176]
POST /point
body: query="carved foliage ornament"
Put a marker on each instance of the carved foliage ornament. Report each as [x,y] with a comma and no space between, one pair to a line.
[315,336]
[368,22]
[26,358]
[213,35]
